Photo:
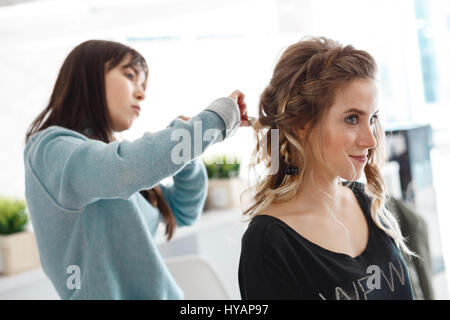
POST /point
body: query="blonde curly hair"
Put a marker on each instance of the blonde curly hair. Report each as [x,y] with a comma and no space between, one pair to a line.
[302,89]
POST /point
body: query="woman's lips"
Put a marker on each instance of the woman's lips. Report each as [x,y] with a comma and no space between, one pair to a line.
[137,108]
[362,159]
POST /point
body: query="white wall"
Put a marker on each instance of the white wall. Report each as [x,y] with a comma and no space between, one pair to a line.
[215,47]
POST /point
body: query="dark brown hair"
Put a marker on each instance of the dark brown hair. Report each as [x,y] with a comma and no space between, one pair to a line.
[78,102]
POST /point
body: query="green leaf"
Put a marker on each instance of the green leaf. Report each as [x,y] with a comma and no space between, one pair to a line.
[222,166]
[13,217]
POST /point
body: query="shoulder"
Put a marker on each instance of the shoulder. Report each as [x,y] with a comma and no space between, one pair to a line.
[355,186]
[265,231]
[53,132]
[359,190]
[54,142]
[266,246]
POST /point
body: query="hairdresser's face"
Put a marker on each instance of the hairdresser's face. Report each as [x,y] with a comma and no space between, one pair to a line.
[348,131]
[124,91]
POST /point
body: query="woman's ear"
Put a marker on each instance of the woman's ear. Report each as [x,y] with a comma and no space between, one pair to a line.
[302,131]
[108,65]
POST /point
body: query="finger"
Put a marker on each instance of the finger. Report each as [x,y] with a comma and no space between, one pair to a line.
[238,95]
[243,110]
[244,114]
[234,97]
[251,120]
[245,123]
[183,118]
[241,98]
[243,106]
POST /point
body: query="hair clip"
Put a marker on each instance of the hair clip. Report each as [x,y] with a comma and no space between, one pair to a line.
[291,170]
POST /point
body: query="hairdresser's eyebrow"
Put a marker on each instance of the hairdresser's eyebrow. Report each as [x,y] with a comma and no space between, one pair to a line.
[358,111]
[136,72]
[130,67]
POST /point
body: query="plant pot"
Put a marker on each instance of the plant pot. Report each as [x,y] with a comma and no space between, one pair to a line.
[18,252]
[224,193]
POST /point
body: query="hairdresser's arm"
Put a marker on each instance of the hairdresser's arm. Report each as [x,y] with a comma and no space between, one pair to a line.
[186,196]
[76,171]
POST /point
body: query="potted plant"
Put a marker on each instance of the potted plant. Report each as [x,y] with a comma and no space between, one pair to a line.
[224,186]
[18,249]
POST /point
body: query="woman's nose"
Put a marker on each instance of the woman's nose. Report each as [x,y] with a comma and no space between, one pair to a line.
[139,94]
[367,138]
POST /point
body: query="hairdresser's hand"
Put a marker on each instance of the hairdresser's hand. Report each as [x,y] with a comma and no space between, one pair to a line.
[238,97]
[183,118]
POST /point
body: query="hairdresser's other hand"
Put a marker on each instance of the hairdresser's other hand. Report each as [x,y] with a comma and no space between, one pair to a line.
[238,97]
[184,118]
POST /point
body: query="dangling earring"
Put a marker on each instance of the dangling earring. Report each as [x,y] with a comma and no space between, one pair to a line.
[291,170]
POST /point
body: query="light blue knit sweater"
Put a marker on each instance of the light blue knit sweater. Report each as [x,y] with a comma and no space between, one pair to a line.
[87,212]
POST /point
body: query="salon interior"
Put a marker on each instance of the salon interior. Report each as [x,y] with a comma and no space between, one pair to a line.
[205,49]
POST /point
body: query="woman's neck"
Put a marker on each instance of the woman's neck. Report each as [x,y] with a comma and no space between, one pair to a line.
[322,194]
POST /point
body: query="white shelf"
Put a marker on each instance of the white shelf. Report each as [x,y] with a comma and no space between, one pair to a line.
[208,219]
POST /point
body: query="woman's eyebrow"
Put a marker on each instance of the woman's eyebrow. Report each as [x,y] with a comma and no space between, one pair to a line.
[358,111]
[130,67]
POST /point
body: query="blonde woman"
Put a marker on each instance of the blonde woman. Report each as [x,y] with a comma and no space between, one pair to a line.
[316,233]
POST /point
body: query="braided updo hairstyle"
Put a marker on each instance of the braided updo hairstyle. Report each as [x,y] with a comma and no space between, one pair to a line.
[302,89]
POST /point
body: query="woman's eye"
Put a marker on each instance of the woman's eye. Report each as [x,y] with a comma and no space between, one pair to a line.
[372,120]
[129,76]
[353,119]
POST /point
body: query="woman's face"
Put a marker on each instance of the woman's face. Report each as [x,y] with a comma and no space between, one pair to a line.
[125,89]
[347,132]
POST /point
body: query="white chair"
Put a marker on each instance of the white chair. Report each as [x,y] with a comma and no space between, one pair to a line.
[197,278]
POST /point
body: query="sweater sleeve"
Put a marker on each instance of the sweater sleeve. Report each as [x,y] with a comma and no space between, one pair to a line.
[76,171]
[186,196]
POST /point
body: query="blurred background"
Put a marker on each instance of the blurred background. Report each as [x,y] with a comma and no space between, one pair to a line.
[199,50]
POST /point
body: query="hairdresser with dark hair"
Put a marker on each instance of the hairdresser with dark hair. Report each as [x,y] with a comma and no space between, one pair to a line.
[96,202]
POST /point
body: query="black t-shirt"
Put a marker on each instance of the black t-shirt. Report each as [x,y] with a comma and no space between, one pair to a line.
[278,263]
